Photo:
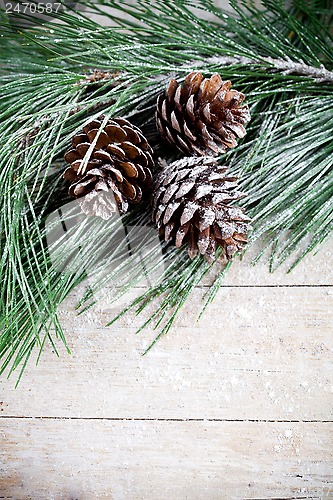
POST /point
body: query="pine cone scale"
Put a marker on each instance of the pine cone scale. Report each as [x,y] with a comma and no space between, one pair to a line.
[116,151]
[79,139]
[72,155]
[102,139]
[129,169]
[82,148]
[102,155]
[118,175]
[116,133]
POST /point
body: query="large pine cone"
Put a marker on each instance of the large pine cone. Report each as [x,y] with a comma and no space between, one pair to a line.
[191,204]
[202,117]
[116,170]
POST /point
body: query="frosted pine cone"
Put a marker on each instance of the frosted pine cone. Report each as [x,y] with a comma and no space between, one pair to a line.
[192,204]
[119,164]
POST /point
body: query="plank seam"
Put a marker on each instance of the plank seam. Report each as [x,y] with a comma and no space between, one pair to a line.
[144,419]
[247,286]
[270,286]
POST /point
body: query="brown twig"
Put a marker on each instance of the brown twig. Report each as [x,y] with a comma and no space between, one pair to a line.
[99,75]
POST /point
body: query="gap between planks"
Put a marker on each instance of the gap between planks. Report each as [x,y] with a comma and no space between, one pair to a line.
[139,287]
[147,419]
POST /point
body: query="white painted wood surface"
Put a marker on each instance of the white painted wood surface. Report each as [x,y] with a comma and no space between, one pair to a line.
[235,406]
[173,460]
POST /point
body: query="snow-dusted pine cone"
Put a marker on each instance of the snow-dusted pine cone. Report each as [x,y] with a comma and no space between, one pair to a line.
[116,171]
[192,204]
[204,116]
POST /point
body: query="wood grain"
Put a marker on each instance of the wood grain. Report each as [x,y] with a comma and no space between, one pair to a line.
[235,406]
[79,459]
[262,356]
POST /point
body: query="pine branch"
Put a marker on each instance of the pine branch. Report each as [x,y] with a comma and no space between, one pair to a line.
[281,58]
[285,66]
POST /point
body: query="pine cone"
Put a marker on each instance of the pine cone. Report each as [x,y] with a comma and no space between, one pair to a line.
[202,117]
[191,204]
[118,167]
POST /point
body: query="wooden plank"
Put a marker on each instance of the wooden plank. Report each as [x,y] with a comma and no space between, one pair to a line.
[118,460]
[258,353]
[314,269]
